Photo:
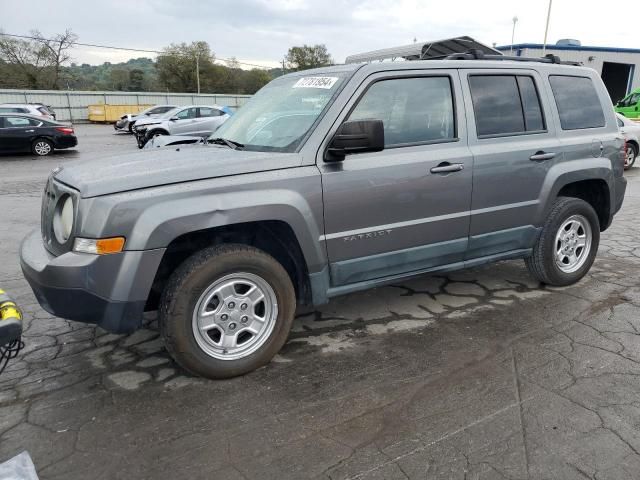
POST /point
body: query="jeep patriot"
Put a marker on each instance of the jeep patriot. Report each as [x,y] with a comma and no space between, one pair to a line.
[327,182]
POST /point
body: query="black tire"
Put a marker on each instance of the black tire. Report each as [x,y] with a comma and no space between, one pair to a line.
[192,278]
[131,127]
[42,147]
[542,263]
[634,152]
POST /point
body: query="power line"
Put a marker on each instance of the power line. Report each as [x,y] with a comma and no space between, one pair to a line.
[111,47]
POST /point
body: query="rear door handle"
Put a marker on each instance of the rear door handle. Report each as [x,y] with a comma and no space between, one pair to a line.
[541,156]
[447,167]
[29,131]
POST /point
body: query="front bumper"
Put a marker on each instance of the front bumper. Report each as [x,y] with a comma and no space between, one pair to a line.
[106,290]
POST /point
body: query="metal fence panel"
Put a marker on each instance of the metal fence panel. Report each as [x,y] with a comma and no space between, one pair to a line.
[71,105]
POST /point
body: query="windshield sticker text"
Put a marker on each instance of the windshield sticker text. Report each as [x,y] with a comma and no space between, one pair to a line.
[316,82]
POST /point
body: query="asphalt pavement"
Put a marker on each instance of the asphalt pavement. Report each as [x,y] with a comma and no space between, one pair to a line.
[480,374]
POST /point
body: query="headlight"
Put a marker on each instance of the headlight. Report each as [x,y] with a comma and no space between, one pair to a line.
[63,219]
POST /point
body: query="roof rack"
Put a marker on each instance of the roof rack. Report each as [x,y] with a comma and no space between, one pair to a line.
[480,55]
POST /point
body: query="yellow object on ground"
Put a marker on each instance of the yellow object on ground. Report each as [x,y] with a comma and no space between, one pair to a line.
[8,308]
[10,324]
[111,113]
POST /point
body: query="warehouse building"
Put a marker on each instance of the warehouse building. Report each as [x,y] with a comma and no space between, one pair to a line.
[618,67]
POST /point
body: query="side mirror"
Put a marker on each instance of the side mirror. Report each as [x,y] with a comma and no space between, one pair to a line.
[173,119]
[356,136]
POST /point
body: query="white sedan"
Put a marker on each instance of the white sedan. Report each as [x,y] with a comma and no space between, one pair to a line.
[631,132]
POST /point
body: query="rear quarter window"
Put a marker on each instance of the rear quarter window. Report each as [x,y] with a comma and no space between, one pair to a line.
[578,103]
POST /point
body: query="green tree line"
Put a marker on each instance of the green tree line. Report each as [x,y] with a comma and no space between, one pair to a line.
[45,63]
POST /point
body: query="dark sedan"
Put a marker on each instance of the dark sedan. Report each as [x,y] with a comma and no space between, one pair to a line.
[27,133]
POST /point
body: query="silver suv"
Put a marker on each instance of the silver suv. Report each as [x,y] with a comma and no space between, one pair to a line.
[328,182]
[37,109]
[195,120]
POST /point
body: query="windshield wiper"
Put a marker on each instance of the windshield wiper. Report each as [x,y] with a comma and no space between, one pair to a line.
[225,141]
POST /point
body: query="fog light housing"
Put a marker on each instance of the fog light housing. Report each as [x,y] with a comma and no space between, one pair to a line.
[99,246]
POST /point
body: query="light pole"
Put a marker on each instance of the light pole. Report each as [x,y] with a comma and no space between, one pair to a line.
[546,29]
[198,71]
[513,32]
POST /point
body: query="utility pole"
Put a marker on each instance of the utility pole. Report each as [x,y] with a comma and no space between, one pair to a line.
[546,29]
[513,32]
[284,71]
[198,71]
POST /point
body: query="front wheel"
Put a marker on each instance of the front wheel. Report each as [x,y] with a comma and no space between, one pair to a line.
[227,310]
[630,155]
[568,243]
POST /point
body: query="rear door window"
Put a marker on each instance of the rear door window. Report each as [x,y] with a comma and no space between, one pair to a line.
[578,103]
[505,105]
[209,112]
[17,122]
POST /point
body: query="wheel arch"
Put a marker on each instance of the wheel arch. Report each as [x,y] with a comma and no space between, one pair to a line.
[275,237]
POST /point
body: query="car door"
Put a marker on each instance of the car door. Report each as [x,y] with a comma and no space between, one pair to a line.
[185,122]
[513,139]
[4,142]
[209,120]
[406,208]
[18,133]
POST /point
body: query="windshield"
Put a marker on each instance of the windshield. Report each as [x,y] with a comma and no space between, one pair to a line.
[630,101]
[278,117]
[170,113]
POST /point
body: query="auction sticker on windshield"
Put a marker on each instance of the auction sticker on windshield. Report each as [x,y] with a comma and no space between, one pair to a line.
[316,82]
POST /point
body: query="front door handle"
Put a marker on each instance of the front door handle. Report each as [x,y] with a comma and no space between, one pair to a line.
[29,131]
[541,156]
[446,167]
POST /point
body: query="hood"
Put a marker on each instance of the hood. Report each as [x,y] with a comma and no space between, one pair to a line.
[169,140]
[142,121]
[163,166]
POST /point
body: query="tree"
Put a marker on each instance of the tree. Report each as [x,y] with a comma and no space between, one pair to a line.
[136,80]
[119,78]
[254,80]
[57,51]
[308,56]
[176,66]
[27,58]
[39,60]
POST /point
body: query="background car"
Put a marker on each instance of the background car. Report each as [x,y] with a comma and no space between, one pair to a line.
[629,106]
[631,132]
[127,121]
[37,109]
[194,120]
[28,133]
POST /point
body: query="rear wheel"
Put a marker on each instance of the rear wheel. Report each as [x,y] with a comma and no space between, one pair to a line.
[42,147]
[227,310]
[568,243]
[630,156]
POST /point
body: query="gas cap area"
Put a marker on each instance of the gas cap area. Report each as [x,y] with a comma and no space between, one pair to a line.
[596,148]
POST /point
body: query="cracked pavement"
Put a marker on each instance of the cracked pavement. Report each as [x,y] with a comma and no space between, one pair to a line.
[479,374]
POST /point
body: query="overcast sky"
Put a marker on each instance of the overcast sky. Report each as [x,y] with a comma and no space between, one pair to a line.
[261,31]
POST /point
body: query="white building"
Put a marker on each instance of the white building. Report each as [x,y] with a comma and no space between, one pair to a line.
[618,67]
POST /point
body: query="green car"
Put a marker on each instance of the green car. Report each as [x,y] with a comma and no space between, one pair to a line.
[629,106]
